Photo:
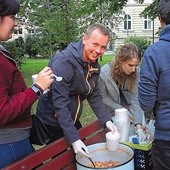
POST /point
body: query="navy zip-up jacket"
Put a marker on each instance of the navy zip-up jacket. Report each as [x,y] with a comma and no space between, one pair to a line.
[154,85]
[62,106]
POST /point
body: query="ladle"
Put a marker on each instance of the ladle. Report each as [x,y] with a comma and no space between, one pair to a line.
[91,161]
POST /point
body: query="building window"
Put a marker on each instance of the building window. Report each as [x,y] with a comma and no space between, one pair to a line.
[18,31]
[15,31]
[147,23]
[127,22]
[31,31]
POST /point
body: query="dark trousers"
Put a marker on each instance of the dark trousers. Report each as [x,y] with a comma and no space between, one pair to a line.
[161,154]
[57,132]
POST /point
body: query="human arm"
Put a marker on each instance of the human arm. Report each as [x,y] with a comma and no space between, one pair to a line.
[96,102]
[103,115]
[16,99]
[111,126]
[140,132]
[65,105]
[110,94]
[135,108]
[138,115]
[80,148]
[66,102]
[44,78]
[148,81]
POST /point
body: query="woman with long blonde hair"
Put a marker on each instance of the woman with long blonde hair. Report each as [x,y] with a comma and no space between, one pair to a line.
[118,84]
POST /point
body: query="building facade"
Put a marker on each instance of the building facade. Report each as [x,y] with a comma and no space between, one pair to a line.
[133,24]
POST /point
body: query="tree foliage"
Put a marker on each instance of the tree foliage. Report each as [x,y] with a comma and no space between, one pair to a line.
[54,21]
[16,49]
[31,46]
[107,12]
[151,10]
[58,22]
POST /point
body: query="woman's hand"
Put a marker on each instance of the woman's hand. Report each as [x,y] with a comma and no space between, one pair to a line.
[44,78]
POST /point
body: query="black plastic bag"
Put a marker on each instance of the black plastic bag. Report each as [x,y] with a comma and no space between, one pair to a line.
[39,133]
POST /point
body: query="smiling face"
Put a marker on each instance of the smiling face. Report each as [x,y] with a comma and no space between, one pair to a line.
[129,66]
[7,24]
[94,46]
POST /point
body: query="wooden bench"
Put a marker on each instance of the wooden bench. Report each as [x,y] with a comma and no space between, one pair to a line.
[59,154]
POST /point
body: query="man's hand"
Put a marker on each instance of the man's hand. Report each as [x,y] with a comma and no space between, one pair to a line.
[80,148]
[111,126]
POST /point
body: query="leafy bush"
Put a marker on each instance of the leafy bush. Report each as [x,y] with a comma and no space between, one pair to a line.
[31,46]
[16,48]
[141,42]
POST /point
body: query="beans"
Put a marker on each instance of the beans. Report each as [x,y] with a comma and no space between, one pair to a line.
[107,164]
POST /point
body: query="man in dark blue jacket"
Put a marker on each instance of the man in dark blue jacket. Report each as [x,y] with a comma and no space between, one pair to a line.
[154,88]
[61,108]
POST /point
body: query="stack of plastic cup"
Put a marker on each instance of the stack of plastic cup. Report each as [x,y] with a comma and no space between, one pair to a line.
[122,121]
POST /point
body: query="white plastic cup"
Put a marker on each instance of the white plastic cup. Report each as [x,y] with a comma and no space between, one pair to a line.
[34,77]
[112,140]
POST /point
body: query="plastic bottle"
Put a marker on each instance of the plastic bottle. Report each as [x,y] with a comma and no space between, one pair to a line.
[122,121]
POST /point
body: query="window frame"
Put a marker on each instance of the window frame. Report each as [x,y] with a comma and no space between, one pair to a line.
[147,23]
[127,22]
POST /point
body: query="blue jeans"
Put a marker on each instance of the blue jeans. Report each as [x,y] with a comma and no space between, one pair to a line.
[11,152]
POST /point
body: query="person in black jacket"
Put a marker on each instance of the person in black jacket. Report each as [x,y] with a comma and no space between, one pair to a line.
[61,108]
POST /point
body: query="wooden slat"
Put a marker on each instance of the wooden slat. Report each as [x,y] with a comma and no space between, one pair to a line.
[60,161]
[40,156]
[59,154]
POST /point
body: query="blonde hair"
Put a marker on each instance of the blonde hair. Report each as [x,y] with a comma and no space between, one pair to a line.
[124,54]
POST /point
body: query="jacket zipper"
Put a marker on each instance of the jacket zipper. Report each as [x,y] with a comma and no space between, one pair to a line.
[90,68]
[78,108]
[87,76]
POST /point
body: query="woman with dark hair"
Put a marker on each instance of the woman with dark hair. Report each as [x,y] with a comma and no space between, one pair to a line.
[118,84]
[15,98]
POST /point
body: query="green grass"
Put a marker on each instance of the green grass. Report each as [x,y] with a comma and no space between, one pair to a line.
[33,66]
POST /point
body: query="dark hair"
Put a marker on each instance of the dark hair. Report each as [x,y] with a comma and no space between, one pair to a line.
[9,7]
[125,53]
[164,10]
[99,27]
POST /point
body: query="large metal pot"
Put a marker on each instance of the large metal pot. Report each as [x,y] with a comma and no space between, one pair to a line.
[99,152]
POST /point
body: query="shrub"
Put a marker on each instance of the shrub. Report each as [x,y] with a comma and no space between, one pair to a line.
[16,48]
[31,46]
[141,42]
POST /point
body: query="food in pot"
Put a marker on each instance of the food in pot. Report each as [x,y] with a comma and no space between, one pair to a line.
[107,164]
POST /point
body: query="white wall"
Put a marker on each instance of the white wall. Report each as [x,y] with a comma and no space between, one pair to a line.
[137,27]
